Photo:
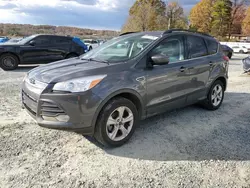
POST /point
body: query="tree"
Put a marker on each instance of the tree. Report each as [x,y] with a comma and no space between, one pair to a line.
[158,5]
[246,23]
[200,16]
[237,16]
[149,15]
[144,14]
[175,16]
[221,17]
[140,19]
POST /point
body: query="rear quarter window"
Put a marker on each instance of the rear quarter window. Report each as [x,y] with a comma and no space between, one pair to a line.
[212,47]
[61,40]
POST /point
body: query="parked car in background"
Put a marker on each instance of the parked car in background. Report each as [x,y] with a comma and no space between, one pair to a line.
[14,40]
[3,39]
[228,51]
[105,92]
[240,49]
[246,64]
[91,43]
[39,49]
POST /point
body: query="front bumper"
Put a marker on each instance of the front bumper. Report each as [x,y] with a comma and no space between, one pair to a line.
[64,111]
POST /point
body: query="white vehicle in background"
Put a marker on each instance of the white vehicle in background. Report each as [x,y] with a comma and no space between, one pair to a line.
[91,43]
[240,49]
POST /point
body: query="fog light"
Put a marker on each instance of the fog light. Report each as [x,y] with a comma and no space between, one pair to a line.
[63,118]
[46,118]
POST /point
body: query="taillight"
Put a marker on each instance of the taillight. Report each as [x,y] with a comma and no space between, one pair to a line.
[226,58]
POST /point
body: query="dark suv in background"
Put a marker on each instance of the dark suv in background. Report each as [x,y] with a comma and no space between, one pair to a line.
[106,91]
[40,49]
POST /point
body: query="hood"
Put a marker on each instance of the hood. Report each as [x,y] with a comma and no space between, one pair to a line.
[66,70]
[6,44]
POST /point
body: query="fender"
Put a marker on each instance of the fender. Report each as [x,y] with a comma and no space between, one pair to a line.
[12,53]
[114,94]
[216,78]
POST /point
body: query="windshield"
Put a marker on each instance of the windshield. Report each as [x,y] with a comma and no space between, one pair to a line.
[121,48]
[26,39]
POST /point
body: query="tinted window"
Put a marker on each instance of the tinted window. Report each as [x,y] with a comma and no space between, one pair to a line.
[172,47]
[212,47]
[196,47]
[61,40]
[43,41]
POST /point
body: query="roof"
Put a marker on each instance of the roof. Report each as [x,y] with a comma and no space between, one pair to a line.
[50,35]
[161,33]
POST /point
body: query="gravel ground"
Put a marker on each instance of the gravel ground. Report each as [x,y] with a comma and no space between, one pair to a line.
[190,147]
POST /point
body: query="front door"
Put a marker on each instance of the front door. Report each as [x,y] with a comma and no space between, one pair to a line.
[37,53]
[168,85]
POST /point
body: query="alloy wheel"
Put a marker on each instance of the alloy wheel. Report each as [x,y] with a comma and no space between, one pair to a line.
[217,95]
[119,123]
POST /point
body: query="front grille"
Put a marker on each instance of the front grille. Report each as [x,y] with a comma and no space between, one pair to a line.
[30,103]
[51,109]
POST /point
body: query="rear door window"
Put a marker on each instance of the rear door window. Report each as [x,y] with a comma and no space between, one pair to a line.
[196,47]
[212,47]
[61,40]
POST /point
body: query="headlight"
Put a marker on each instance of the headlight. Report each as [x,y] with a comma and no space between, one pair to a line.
[79,84]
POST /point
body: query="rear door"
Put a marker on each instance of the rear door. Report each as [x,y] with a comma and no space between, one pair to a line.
[201,55]
[61,46]
[167,85]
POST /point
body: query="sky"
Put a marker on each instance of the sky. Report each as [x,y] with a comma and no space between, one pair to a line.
[94,14]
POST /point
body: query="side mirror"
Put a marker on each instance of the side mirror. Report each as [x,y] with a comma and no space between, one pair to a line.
[32,43]
[160,59]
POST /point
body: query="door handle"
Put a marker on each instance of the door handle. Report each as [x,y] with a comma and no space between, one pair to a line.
[182,69]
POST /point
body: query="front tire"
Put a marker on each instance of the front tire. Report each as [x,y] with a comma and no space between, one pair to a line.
[116,122]
[9,62]
[215,96]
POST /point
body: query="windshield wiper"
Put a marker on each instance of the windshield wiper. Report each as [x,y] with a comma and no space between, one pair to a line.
[97,60]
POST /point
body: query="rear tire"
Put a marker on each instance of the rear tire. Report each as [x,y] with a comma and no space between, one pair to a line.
[90,48]
[230,55]
[215,96]
[8,62]
[118,114]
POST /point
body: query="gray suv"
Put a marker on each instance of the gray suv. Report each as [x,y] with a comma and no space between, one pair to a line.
[105,92]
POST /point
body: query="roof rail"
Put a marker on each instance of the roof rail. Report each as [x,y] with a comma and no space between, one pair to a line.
[185,30]
[127,33]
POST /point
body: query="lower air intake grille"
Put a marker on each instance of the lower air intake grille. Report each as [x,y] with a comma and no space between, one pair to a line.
[51,109]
